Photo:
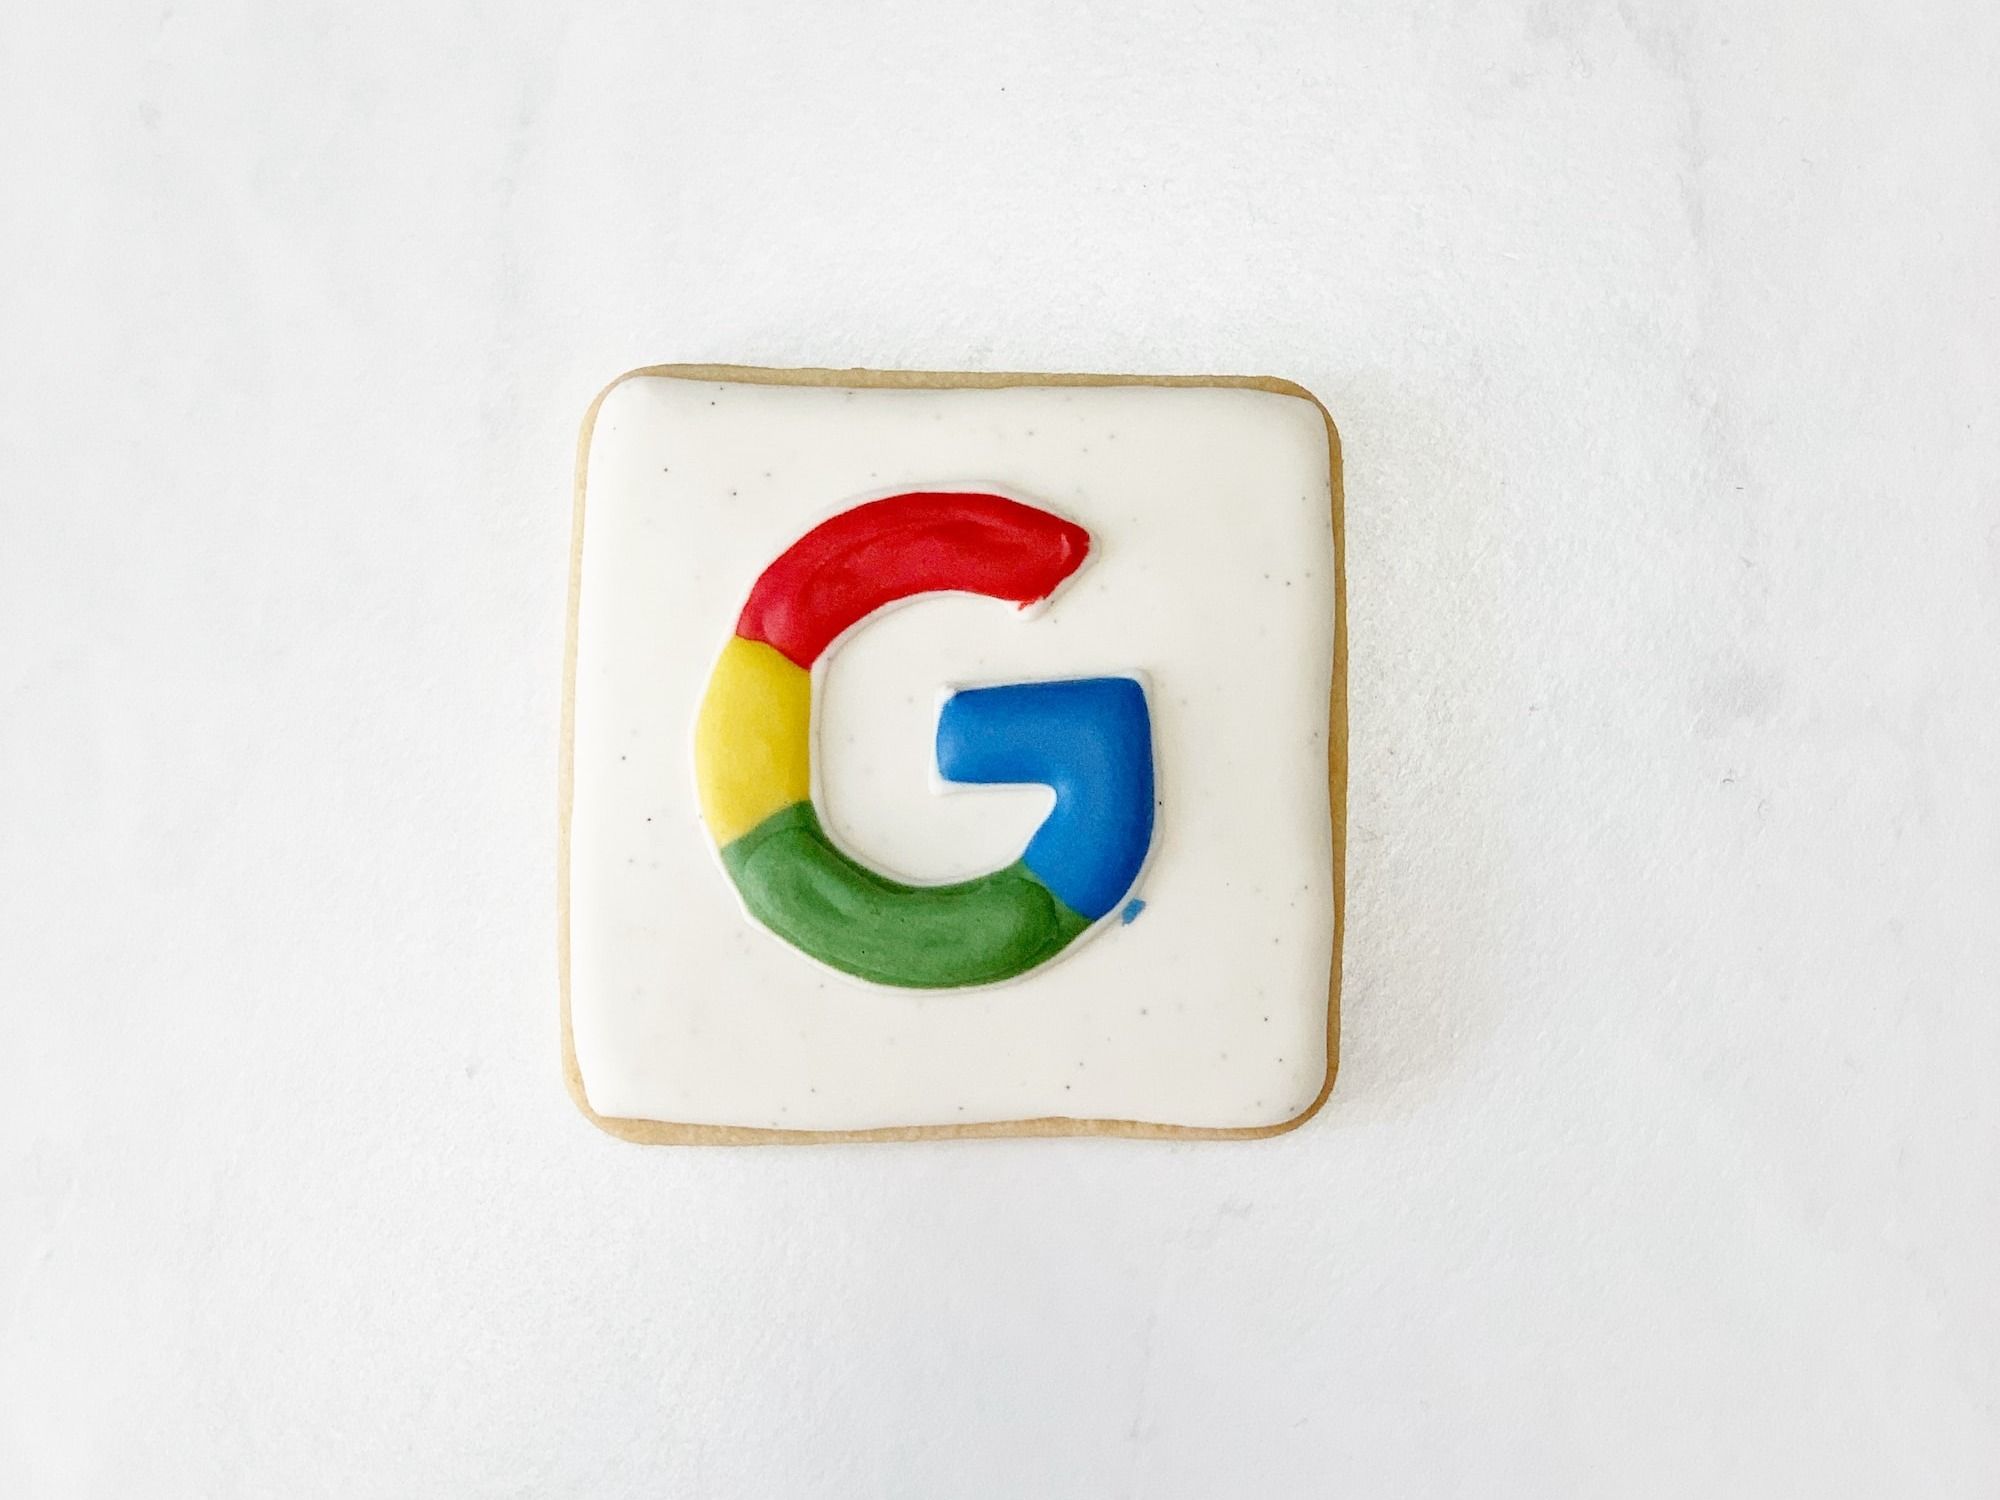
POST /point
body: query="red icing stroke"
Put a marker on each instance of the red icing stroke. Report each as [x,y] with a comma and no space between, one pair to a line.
[923,542]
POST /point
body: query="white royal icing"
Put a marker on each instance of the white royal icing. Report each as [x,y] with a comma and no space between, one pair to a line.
[1211,576]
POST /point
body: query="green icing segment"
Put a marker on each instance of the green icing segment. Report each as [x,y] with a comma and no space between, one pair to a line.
[845,915]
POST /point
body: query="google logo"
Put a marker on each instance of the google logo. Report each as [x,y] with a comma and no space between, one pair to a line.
[1088,739]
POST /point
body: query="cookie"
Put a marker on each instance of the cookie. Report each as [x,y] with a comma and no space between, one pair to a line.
[952,755]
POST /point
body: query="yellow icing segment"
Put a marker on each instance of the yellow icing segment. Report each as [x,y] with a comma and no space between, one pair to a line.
[752,743]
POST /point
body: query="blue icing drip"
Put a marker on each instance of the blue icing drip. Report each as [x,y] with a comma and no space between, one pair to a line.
[1131,912]
[1090,740]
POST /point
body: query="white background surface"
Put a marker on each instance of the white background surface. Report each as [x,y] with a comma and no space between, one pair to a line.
[1664,341]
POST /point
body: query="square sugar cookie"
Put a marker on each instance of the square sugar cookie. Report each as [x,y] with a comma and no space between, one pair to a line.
[952,755]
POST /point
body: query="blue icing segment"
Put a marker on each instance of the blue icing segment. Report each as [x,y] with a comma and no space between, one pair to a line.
[1088,739]
[1131,912]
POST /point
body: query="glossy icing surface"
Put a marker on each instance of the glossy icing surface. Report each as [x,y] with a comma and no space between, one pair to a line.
[1211,579]
[1089,741]
[854,919]
[901,546]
